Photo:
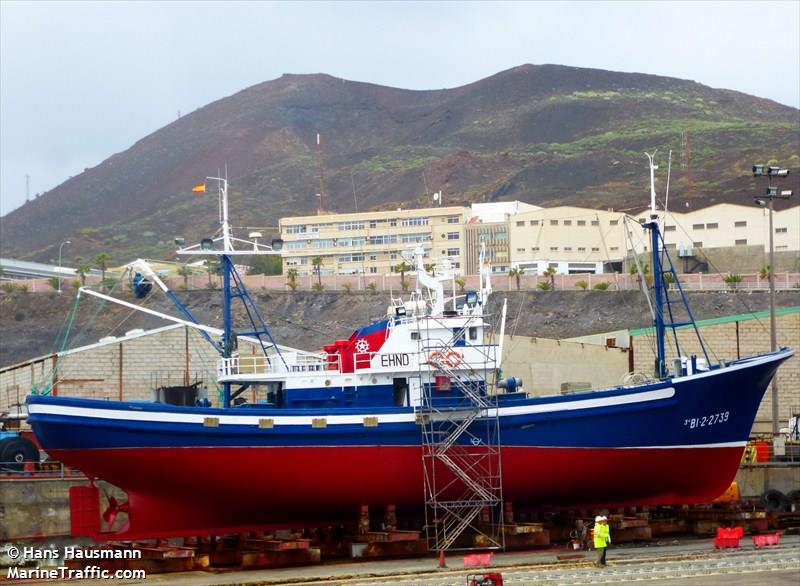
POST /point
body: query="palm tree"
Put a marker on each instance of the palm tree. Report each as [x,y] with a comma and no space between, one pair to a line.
[317,263]
[101,260]
[516,272]
[403,268]
[431,268]
[185,271]
[82,269]
[212,266]
[550,272]
[292,276]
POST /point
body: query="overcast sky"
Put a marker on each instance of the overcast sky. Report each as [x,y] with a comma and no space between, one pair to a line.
[80,81]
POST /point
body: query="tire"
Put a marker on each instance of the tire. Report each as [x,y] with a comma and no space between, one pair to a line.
[16,451]
[775,501]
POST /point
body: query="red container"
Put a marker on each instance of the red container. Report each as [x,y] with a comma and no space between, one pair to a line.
[762,451]
[492,579]
[730,532]
[475,560]
[767,539]
[726,542]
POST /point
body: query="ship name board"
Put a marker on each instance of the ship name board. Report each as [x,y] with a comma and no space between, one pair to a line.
[389,360]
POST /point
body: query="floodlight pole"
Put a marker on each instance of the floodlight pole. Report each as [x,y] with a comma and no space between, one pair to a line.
[773,338]
[769,172]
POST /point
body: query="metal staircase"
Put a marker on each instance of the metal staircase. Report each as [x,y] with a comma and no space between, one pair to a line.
[461,443]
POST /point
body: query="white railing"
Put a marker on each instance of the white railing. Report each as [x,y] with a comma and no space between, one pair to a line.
[238,366]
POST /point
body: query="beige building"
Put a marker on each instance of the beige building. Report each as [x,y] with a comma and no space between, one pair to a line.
[570,239]
[735,238]
[372,243]
[573,240]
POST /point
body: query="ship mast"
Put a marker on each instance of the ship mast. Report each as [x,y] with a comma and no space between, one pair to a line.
[658,291]
[232,284]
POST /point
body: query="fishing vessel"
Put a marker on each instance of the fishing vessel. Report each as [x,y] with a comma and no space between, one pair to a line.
[410,410]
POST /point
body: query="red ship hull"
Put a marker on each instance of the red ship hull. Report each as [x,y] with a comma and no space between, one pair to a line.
[202,490]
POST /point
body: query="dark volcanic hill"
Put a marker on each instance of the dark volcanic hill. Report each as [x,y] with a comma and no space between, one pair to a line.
[543,134]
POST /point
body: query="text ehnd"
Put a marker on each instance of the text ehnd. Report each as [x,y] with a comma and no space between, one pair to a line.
[389,360]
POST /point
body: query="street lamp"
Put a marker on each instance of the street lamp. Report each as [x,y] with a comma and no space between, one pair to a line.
[772,192]
[59,262]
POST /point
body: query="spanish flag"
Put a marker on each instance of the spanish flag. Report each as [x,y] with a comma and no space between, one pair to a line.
[200,188]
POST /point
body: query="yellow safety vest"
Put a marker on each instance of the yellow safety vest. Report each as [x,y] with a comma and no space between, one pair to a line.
[602,535]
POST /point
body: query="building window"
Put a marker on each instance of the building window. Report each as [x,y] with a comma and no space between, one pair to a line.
[595,249]
[567,249]
[554,222]
[781,230]
[351,258]
[535,248]
[383,239]
[739,242]
[373,257]
[581,249]
[740,224]
[453,235]
[615,248]
[669,228]
[520,224]
[373,270]
[414,222]
[581,222]
[393,223]
[345,226]
[414,238]
[322,243]
[568,222]
[698,226]
[712,226]
[452,219]
[296,245]
[595,222]
[393,256]
[453,251]
[614,222]
[554,249]
[500,235]
[534,222]
[520,250]
[299,229]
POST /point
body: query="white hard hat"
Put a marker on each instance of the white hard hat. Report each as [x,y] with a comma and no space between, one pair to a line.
[598,518]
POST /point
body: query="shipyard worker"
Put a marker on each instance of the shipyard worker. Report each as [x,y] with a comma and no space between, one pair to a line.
[602,537]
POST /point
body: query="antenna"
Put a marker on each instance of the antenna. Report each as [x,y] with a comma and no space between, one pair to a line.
[321,174]
[653,168]
[353,181]
[686,164]
[666,195]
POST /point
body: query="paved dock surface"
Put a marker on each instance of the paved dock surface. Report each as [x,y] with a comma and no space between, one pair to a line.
[683,562]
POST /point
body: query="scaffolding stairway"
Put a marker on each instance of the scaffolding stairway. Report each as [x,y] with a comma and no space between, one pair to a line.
[461,448]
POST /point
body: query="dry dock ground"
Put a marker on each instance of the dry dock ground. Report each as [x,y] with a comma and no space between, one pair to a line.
[682,562]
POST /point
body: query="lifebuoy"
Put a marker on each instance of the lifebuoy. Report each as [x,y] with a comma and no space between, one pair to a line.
[435,358]
[453,359]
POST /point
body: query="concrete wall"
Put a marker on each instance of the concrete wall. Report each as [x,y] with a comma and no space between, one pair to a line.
[126,369]
[727,341]
[40,507]
[754,479]
[545,364]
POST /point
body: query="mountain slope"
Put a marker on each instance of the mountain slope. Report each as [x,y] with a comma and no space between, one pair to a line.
[543,134]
